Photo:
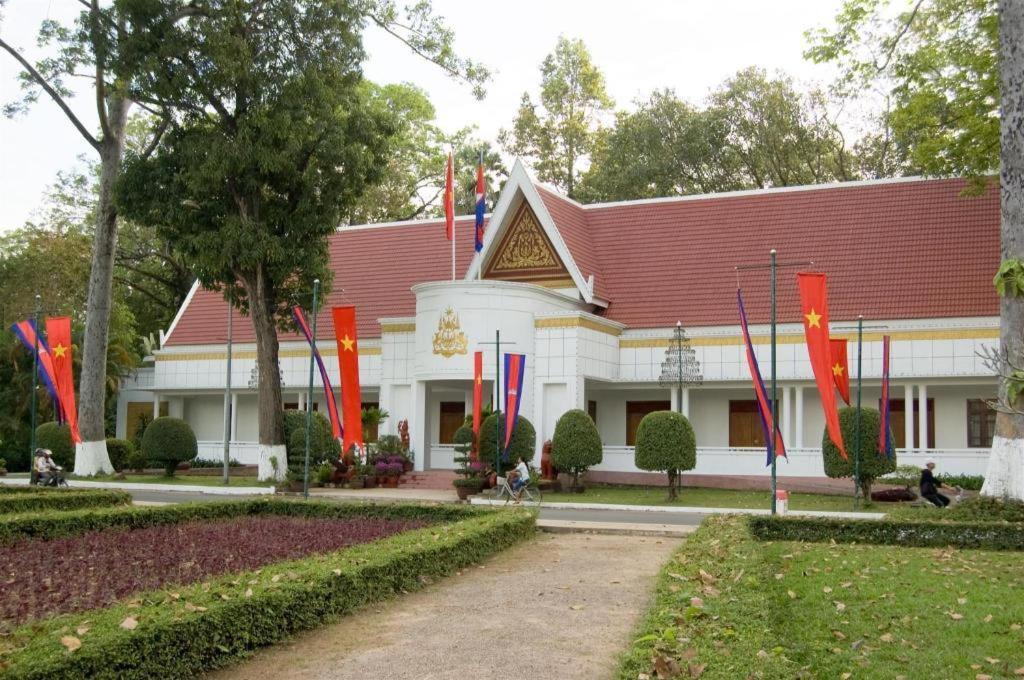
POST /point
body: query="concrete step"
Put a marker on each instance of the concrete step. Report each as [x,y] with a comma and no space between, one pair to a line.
[561,526]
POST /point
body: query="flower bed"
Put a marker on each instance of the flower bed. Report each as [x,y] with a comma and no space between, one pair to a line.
[182,631]
[42,578]
[35,499]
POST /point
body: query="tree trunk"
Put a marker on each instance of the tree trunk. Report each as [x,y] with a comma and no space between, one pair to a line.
[672,492]
[91,454]
[1005,475]
[270,401]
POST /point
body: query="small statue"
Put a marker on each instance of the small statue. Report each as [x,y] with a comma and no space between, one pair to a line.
[403,433]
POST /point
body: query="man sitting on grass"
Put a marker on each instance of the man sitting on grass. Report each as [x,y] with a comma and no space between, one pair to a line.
[930,486]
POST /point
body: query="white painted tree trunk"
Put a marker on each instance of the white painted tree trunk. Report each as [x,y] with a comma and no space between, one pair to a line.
[91,459]
[1004,477]
[268,456]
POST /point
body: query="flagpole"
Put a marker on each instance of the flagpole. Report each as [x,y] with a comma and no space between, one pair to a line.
[775,405]
[227,398]
[35,383]
[856,437]
[309,399]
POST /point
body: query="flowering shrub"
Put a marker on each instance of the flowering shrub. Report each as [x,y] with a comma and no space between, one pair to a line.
[95,569]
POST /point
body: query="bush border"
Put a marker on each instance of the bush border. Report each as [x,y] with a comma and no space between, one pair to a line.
[36,500]
[187,630]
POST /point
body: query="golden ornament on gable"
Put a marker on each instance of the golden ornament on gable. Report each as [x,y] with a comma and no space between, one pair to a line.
[525,247]
[449,339]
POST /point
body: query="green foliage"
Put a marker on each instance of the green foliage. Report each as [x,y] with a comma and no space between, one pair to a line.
[136,460]
[986,509]
[872,464]
[903,475]
[523,440]
[169,441]
[1009,280]
[324,473]
[38,499]
[206,625]
[322,444]
[665,442]
[576,444]
[390,445]
[562,131]
[57,438]
[121,451]
[906,533]
[938,65]
[968,482]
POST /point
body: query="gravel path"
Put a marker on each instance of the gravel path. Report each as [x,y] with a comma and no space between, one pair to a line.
[580,597]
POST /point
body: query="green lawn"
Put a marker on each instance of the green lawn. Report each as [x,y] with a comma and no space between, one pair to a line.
[204,480]
[704,498]
[730,603]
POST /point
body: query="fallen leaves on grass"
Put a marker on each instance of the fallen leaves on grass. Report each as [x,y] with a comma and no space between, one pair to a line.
[71,643]
[130,623]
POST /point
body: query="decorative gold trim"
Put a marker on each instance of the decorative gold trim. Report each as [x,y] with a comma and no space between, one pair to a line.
[398,328]
[576,322]
[956,334]
[370,351]
[251,354]
[553,283]
[449,339]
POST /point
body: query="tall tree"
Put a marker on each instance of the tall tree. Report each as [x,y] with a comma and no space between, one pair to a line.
[558,135]
[271,140]
[936,62]
[87,49]
[782,137]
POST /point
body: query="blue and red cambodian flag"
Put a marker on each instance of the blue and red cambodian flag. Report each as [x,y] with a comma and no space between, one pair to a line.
[481,204]
[515,368]
[885,445]
[332,405]
[26,332]
[776,447]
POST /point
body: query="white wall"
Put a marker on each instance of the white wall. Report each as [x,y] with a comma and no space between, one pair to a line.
[205,413]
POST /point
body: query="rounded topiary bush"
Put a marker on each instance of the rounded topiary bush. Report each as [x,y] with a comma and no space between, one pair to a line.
[524,440]
[576,445]
[872,464]
[57,438]
[665,442]
[121,452]
[322,444]
[168,442]
[463,440]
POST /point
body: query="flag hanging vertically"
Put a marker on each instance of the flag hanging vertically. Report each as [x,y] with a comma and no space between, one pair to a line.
[481,204]
[885,444]
[814,310]
[515,368]
[478,399]
[58,332]
[348,365]
[26,332]
[840,367]
[449,199]
[332,405]
[776,447]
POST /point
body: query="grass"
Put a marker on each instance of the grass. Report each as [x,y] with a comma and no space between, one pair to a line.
[700,497]
[200,480]
[791,610]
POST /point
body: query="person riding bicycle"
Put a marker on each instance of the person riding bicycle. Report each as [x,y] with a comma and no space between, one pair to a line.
[47,471]
[519,477]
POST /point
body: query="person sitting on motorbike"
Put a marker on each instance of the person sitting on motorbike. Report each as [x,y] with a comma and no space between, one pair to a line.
[46,470]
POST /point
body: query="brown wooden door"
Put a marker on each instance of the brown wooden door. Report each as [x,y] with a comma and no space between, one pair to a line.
[453,414]
[635,412]
[745,427]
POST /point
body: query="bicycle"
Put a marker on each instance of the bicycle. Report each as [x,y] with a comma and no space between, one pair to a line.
[528,495]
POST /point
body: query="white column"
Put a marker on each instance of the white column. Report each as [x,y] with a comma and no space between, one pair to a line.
[673,399]
[389,426]
[156,406]
[799,417]
[686,402]
[302,401]
[418,424]
[784,416]
[234,416]
[922,417]
[908,417]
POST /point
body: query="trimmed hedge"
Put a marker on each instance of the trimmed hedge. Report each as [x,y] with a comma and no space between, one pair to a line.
[35,499]
[983,535]
[872,464]
[576,444]
[57,438]
[169,441]
[121,451]
[524,440]
[322,444]
[665,441]
[184,631]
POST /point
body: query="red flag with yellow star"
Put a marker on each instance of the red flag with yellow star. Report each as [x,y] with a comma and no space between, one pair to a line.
[58,332]
[840,367]
[814,309]
[478,395]
[348,365]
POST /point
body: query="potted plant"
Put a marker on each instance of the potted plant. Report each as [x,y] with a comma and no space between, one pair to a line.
[468,486]
[324,473]
[293,479]
[388,473]
[369,474]
[470,480]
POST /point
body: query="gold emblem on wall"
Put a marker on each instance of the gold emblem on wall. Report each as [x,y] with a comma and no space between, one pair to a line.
[525,247]
[449,339]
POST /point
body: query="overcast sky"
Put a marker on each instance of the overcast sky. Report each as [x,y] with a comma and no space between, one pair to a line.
[688,45]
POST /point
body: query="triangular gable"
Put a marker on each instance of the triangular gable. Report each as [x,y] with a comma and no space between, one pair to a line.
[522,242]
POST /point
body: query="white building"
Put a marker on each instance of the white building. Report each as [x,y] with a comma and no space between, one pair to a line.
[590,294]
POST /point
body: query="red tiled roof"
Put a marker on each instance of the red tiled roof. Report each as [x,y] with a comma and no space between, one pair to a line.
[892,250]
[374,268]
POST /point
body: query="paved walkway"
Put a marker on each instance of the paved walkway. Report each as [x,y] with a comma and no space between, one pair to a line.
[580,597]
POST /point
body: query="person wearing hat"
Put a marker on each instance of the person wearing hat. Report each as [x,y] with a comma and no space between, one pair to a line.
[45,467]
[930,486]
